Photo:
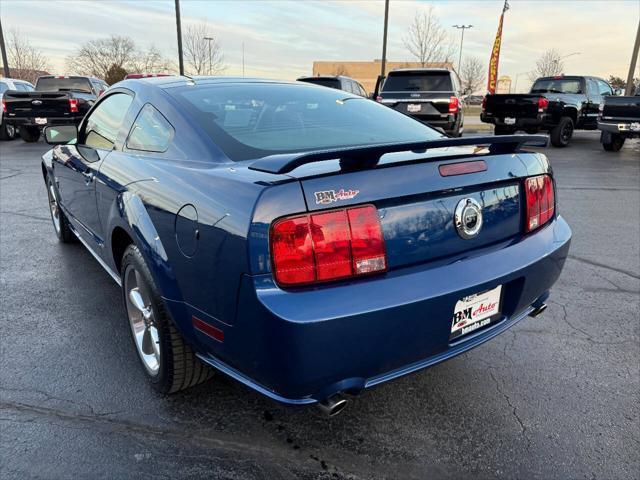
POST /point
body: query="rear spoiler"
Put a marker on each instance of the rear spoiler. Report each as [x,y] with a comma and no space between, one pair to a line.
[369,155]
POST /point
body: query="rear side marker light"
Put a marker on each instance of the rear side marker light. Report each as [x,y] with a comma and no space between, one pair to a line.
[73,105]
[540,201]
[4,106]
[454,105]
[208,329]
[462,168]
[330,245]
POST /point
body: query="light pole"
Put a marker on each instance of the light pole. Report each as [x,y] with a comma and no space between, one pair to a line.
[242,59]
[179,29]
[557,61]
[384,37]
[463,28]
[209,40]
[515,86]
[632,65]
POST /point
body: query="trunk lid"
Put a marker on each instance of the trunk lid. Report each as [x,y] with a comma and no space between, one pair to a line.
[37,104]
[512,105]
[621,108]
[416,204]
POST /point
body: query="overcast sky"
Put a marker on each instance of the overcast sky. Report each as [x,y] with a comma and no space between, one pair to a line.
[283,38]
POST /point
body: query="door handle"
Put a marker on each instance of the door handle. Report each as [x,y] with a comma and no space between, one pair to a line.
[88,177]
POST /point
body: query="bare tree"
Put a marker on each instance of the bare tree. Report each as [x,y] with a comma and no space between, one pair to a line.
[202,56]
[96,57]
[427,40]
[548,64]
[340,70]
[472,74]
[150,61]
[25,61]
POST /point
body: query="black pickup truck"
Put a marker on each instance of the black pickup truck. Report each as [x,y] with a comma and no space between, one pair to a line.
[619,119]
[56,100]
[557,104]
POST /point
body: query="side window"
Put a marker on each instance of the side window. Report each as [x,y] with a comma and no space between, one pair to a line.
[605,89]
[592,87]
[3,87]
[102,126]
[151,132]
[363,92]
[22,87]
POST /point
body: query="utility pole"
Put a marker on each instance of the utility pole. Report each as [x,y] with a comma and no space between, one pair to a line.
[632,65]
[384,38]
[463,28]
[209,40]
[5,62]
[242,59]
[179,29]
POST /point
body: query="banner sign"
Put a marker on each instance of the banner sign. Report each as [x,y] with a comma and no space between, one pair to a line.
[495,55]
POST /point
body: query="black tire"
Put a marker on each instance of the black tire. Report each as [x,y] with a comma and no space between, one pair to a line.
[58,219]
[561,134]
[178,368]
[614,143]
[30,134]
[502,130]
[7,132]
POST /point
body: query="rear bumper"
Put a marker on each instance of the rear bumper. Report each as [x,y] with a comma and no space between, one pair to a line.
[31,121]
[539,121]
[448,123]
[303,346]
[621,128]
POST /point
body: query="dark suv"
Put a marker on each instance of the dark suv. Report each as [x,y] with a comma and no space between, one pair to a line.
[339,83]
[430,95]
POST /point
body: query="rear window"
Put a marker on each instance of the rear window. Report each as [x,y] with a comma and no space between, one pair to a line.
[412,81]
[256,120]
[325,82]
[53,84]
[559,85]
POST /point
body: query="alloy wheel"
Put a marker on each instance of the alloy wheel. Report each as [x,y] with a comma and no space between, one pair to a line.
[54,207]
[142,320]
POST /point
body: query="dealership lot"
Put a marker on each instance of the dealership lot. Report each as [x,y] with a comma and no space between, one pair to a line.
[555,397]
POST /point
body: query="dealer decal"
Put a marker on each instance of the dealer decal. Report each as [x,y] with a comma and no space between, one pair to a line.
[329,196]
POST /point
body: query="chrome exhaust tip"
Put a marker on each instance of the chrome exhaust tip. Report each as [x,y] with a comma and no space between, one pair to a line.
[332,406]
[538,310]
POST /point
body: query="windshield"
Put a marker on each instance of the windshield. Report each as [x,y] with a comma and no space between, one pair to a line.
[556,85]
[53,84]
[253,120]
[325,82]
[424,81]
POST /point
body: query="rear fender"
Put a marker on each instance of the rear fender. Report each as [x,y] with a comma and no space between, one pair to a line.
[130,214]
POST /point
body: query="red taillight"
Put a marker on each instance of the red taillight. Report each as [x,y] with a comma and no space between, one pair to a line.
[325,246]
[543,103]
[378,98]
[4,106]
[73,105]
[540,201]
[454,104]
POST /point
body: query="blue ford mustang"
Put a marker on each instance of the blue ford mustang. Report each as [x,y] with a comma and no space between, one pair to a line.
[305,241]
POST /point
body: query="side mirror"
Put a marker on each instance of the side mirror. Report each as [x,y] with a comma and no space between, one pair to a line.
[61,134]
[618,91]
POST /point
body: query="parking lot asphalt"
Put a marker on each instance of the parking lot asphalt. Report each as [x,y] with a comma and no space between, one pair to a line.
[554,397]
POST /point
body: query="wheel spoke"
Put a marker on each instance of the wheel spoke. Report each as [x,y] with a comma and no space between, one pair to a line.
[136,300]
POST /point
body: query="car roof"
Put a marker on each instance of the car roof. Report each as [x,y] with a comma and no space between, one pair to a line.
[16,80]
[179,81]
[420,70]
